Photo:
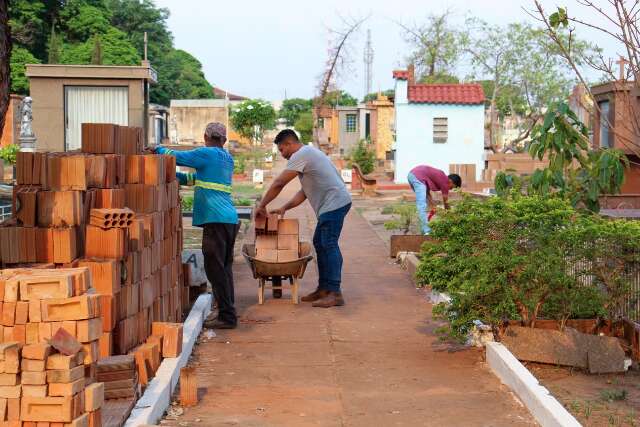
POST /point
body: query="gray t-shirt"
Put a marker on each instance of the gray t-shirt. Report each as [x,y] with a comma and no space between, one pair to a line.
[321,182]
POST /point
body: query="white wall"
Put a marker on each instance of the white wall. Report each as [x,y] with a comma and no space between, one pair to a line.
[414,137]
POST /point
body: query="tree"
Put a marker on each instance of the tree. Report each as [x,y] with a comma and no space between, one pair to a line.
[19,58]
[116,49]
[80,21]
[304,125]
[363,156]
[182,78]
[389,93]
[5,55]
[436,48]
[575,172]
[522,65]
[339,56]
[617,21]
[96,52]
[252,117]
[339,97]
[55,47]
[292,109]
[29,29]
[121,25]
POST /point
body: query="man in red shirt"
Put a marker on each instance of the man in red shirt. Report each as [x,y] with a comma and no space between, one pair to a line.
[425,179]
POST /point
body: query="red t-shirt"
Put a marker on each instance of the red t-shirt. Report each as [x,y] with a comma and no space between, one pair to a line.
[433,178]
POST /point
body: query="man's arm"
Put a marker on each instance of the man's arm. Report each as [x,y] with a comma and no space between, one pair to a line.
[189,158]
[445,200]
[276,187]
[296,200]
[186,178]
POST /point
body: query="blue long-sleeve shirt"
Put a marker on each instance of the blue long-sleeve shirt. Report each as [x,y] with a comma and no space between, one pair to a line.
[212,202]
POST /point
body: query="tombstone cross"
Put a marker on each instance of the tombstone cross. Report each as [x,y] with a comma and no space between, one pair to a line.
[621,63]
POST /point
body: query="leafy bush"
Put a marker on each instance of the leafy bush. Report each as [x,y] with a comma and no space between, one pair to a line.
[613,394]
[9,153]
[575,172]
[406,220]
[187,203]
[363,156]
[239,164]
[252,117]
[526,258]
[242,202]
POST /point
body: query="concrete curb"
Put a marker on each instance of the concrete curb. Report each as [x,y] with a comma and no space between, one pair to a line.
[157,397]
[540,403]
[409,262]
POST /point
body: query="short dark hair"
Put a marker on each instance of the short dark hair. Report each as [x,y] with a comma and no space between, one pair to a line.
[455,178]
[285,134]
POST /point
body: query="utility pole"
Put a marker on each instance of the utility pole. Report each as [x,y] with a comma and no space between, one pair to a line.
[368,65]
[146,41]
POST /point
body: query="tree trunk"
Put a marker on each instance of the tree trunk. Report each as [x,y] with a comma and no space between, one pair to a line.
[5,54]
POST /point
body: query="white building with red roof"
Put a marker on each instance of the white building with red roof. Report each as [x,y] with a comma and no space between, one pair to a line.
[437,124]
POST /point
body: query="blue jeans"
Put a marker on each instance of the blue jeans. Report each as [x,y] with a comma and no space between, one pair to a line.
[325,241]
[422,203]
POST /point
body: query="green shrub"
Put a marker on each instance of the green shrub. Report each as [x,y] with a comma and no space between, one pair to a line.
[187,203]
[527,258]
[363,156]
[9,153]
[240,164]
[613,394]
[406,217]
[242,202]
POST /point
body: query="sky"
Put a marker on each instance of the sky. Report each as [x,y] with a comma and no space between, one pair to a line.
[276,49]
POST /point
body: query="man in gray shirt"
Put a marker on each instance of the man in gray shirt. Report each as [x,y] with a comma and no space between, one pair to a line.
[331,201]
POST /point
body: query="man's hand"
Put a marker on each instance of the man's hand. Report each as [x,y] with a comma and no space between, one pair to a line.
[151,149]
[261,211]
[279,211]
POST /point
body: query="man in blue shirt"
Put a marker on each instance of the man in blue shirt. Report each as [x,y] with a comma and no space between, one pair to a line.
[213,210]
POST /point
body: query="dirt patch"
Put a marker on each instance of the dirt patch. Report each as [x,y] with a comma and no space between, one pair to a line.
[595,400]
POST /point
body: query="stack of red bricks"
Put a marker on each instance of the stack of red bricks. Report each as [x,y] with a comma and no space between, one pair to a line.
[45,311]
[64,205]
[277,240]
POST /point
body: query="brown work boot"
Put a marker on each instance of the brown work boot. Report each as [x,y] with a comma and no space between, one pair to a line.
[332,299]
[315,295]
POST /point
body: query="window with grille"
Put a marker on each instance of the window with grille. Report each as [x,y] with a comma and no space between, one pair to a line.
[351,123]
[440,130]
[321,123]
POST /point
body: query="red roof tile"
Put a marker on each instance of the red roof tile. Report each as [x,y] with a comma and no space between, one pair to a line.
[401,74]
[220,93]
[464,93]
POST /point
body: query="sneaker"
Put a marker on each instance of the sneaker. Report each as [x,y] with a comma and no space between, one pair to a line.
[332,299]
[315,295]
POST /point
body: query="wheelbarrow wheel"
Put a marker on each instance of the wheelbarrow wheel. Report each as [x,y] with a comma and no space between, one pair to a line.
[277,281]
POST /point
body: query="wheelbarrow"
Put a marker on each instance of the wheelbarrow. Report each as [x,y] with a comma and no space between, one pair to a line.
[270,275]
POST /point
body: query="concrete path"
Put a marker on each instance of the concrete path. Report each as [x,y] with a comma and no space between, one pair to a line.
[373,362]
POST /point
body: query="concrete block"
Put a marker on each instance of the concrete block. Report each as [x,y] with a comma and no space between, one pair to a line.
[540,403]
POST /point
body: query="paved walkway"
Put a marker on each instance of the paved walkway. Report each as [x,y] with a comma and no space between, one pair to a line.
[373,362]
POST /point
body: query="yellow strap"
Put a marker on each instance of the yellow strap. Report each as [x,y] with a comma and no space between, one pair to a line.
[213,186]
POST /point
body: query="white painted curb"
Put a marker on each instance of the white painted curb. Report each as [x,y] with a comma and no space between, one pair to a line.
[542,405]
[157,397]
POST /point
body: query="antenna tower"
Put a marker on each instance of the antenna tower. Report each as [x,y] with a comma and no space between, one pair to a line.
[368,65]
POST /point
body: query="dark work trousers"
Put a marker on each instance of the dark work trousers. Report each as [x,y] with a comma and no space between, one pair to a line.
[218,240]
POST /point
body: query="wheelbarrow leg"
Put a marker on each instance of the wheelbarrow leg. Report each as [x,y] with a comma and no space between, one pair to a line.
[261,291]
[294,290]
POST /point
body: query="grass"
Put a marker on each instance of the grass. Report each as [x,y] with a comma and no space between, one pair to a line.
[613,394]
